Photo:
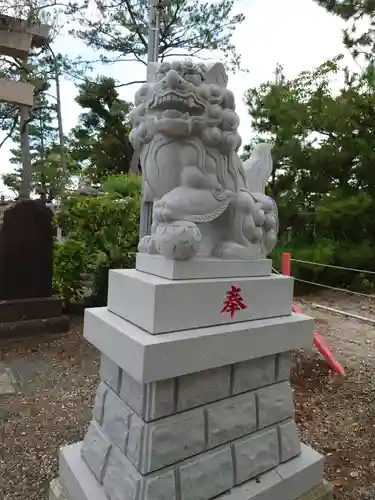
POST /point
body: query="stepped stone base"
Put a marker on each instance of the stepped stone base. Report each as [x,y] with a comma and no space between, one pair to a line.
[288,481]
[226,433]
[26,309]
[322,492]
[193,405]
[20,330]
[23,318]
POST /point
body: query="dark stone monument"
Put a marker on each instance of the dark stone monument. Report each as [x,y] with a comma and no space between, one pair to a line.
[27,304]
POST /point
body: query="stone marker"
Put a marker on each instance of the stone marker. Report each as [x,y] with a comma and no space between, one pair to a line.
[26,263]
[26,251]
[195,401]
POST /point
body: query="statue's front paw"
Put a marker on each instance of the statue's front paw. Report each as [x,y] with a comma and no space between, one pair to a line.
[179,240]
[270,232]
[251,230]
[162,214]
[270,240]
[271,222]
[147,245]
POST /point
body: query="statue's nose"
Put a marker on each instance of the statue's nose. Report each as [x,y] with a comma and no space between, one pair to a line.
[173,79]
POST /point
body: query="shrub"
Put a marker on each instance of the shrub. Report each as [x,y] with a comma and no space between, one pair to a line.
[101,233]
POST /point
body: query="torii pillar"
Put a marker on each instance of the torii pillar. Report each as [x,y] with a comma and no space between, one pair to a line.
[17,38]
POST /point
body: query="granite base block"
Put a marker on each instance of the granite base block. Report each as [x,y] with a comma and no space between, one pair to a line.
[201,268]
[321,492]
[149,358]
[298,479]
[56,491]
[159,305]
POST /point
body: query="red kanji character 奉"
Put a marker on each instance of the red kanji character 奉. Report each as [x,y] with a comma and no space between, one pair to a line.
[233,302]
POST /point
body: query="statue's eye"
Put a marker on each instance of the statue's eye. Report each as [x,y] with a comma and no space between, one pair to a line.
[193,77]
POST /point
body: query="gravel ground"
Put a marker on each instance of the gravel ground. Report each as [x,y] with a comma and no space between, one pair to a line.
[54,382]
[46,412]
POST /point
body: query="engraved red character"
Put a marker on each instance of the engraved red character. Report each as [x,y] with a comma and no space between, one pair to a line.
[233,302]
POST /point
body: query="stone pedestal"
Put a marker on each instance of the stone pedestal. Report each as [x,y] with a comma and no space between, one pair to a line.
[193,404]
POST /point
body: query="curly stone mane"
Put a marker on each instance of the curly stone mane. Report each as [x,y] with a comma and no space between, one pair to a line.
[216,126]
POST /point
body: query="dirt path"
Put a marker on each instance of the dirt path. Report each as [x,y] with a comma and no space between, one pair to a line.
[350,339]
[337,415]
[46,391]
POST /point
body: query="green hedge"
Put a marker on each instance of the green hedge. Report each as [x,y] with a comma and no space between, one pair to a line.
[100,233]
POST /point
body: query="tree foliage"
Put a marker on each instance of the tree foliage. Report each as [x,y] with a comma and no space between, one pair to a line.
[323,177]
[37,71]
[118,30]
[99,144]
[359,36]
[48,176]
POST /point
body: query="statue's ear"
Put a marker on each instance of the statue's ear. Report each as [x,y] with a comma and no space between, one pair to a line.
[217,75]
[152,69]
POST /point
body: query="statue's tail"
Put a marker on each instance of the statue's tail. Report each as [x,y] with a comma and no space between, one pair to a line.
[258,168]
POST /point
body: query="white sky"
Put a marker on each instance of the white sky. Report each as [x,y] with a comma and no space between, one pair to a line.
[298,34]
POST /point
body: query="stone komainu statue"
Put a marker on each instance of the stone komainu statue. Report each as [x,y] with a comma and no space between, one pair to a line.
[206,202]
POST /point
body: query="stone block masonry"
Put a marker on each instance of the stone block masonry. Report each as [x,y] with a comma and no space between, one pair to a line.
[173,436]
[298,479]
[153,445]
[201,477]
[166,397]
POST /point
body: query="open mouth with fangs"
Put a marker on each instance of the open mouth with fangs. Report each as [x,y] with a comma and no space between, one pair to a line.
[174,104]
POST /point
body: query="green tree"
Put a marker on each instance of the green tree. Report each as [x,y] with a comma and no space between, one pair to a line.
[51,170]
[99,144]
[118,30]
[323,177]
[49,178]
[47,172]
[359,37]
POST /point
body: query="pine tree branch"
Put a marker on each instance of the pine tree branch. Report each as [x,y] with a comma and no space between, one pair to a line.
[131,13]
[171,23]
[129,83]
[10,132]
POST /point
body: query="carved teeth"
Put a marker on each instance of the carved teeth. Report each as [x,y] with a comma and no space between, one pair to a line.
[186,100]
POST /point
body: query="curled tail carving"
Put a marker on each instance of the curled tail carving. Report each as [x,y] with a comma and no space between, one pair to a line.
[258,168]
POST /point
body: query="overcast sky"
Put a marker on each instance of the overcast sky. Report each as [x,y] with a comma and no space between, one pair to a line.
[298,34]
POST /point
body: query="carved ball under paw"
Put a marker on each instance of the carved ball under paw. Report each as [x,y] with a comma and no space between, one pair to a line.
[179,240]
